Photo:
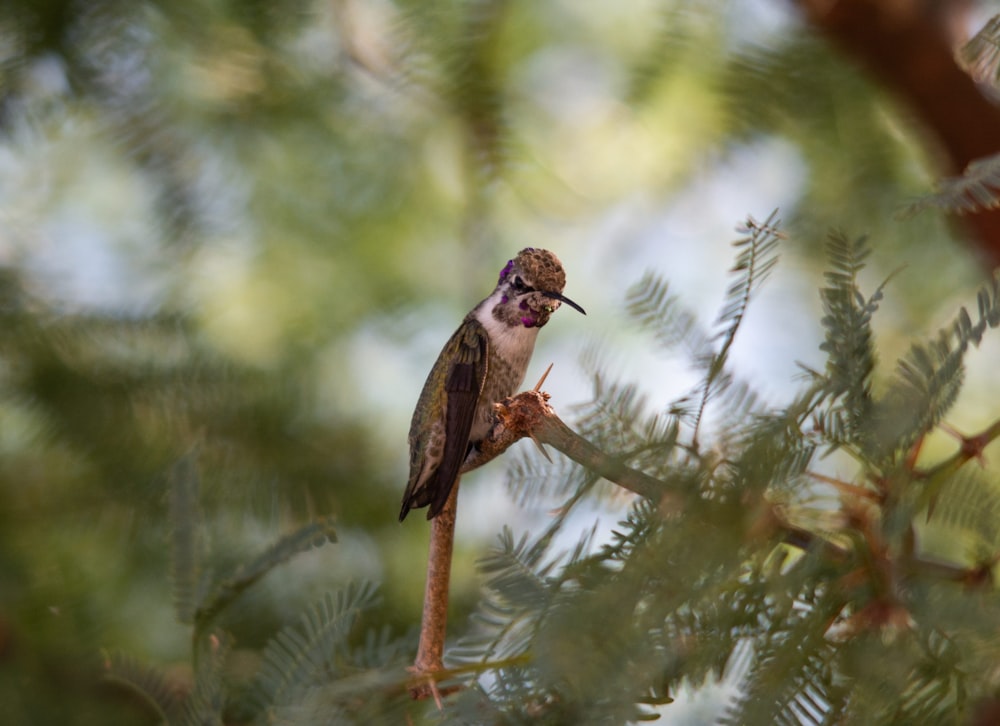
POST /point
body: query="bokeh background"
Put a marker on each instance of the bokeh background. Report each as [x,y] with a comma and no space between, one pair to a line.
[241,231]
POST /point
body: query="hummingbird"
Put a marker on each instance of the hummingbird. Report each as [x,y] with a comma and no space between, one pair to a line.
[482,363]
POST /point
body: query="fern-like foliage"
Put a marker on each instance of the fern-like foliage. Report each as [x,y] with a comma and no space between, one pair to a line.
[314,651]
[519,573]
[849,345]
[978,188]
[202,703]
[534,479]
[148,682]
[968,511]
[981,55]
[187,543]
[755,259]
[310,535]
[658,311]
[673,43]
[457,57]
[792,678]
[535,600]
[936,688]
[199,595]
[310,671]
[207,700]
[929,378]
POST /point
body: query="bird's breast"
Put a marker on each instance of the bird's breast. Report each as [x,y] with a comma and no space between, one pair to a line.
[510,349]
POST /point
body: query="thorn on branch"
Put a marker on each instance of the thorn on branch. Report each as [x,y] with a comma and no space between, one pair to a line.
[846,489]
[970,447]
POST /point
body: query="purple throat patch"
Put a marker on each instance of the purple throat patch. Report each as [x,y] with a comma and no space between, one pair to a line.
[506,271]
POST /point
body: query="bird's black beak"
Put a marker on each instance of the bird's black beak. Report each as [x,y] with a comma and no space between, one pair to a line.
[560,297]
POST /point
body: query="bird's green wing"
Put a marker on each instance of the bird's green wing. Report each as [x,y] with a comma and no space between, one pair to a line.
[462,365]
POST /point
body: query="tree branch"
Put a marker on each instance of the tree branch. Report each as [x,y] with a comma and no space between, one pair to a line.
[528,414]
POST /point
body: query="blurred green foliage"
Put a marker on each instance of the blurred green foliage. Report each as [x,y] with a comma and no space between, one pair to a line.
[241,228]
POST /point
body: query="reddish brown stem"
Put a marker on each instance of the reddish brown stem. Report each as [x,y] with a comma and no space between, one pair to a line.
[430,652]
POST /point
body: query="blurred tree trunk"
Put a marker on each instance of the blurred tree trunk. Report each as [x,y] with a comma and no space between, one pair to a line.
[909,46]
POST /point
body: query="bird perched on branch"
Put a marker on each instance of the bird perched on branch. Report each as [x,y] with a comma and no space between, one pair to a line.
[484,362]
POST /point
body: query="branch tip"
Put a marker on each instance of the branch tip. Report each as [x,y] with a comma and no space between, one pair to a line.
[538,386]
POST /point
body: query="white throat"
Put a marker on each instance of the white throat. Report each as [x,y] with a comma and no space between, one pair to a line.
[514,343]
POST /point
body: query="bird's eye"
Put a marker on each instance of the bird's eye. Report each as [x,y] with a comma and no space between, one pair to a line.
[519,284]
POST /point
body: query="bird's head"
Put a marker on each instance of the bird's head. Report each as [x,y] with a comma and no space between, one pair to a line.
[531,288]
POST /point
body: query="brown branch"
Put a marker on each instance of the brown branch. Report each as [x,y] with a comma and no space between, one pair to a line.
[971,448]
[528,414]
[937,476]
